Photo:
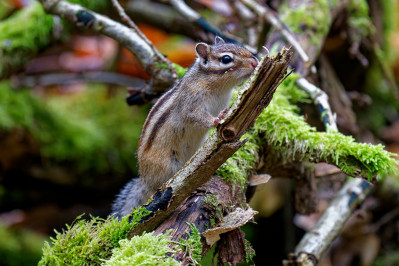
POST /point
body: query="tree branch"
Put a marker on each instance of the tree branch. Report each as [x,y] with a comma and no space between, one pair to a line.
[316,241]
[158,56]
[320,99]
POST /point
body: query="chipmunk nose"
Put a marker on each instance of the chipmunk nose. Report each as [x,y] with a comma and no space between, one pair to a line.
[254,63]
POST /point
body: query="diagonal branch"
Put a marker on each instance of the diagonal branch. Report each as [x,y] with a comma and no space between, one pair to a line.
[316,241]
[132,25]
[320,99]
[257,94]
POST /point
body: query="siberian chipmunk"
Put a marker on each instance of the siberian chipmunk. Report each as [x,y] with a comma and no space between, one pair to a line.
[179,121]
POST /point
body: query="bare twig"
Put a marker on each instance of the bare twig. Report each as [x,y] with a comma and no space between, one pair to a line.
[320,99]
[162,78]
[338,97]
[221,144]
[132,25]
[316,241]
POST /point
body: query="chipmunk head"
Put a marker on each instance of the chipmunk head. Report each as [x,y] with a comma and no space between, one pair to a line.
[227,60]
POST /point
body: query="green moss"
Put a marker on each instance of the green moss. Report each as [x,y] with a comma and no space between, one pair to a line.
[22,36]
[19,247]
[143,250]
[192,246]
[359,20]
[210,202]
[95,131]
[88,242]
[180,71]
[315,17]
[21,31]
[292,138]
[237,167]
[249,252]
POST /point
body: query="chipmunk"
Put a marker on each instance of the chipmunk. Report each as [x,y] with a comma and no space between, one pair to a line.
[179,121]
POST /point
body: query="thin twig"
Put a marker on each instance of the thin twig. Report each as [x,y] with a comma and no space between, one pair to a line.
[134,27]
[320,99]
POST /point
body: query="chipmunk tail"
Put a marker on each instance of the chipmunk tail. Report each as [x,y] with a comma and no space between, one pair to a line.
[131,196]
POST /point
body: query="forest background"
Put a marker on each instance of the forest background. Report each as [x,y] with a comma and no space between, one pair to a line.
[68,136]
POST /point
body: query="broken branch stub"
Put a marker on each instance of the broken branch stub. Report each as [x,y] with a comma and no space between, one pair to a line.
[216,150]
[256,96]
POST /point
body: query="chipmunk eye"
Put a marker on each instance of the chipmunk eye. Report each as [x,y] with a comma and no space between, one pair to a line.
[225,59]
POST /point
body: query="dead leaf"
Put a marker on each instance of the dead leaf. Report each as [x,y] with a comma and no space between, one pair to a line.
[233,220]
[256,180]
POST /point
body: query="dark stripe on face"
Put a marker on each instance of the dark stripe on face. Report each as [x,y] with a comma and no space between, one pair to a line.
[161,120]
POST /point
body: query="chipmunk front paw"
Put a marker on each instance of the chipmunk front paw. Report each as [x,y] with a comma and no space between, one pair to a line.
[223,113]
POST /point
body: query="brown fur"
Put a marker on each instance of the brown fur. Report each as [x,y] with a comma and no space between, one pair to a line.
[178,123]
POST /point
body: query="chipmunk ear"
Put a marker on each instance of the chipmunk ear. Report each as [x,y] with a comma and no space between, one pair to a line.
[218,40]
[202,50]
